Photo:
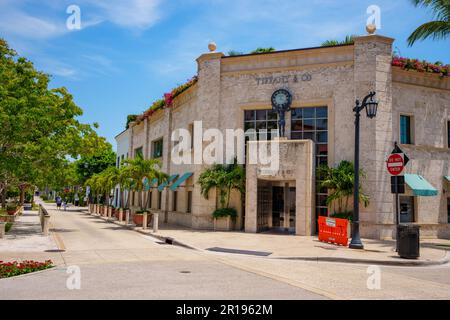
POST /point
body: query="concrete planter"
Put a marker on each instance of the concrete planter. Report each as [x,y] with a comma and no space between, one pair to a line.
[224,224]
[138,219]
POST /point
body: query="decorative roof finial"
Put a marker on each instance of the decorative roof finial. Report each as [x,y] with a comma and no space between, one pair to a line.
[371,28]
[212,46]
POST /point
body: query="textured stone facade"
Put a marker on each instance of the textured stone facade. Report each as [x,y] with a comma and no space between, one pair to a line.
[332,77]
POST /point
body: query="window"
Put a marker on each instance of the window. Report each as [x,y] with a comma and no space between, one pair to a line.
[407,209]
[150,196]
[312,123]
[118,162]
[261,120]
[122,158]
[157,147]
[189,202]
[405,130]
[138,153]
[448,210]
[448,134]
[159,200]
[191,132]
[174,200]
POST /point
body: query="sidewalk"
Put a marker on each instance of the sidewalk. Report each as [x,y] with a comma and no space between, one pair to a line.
[290,247]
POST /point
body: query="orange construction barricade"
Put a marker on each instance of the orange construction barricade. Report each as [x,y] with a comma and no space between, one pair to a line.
[333,230]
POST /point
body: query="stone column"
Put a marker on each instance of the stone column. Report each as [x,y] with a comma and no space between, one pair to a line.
[144,220]
[208,103]
[373,72]
[2,229]
[155,221]
[251,197]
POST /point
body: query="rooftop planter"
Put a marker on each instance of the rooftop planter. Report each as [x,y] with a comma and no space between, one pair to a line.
[421,66]
[163,103]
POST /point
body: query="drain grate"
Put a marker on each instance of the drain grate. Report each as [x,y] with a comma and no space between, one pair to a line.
[238,251]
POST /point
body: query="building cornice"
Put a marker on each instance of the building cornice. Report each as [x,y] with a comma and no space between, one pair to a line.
[421,79]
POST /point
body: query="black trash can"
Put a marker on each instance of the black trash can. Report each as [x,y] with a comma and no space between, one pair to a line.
[408,241]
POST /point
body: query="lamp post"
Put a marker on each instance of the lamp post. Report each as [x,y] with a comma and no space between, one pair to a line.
[371,106]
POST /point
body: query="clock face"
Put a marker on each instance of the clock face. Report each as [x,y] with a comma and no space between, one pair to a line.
[281,99]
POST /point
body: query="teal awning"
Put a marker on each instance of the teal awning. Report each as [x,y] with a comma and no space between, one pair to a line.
[447,177]
[182,179]
[148,185]
[420,186]
[166,183]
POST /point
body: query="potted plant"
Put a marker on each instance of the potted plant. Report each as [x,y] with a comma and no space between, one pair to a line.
[11,209]
[224,178]
[138,217]
[224,219]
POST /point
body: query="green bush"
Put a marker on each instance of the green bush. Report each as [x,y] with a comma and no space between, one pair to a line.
[343,215]
[8,226]
[225,212]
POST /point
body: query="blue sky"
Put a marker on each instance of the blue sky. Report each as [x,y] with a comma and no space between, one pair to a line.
[129,52]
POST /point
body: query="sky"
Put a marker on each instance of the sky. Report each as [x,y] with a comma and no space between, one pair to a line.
[128,53]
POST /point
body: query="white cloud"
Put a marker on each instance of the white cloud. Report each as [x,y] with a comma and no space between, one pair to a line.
[140,14]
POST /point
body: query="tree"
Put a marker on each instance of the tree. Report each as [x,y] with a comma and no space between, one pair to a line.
[348,40]
[438,29]
[135,170]
[223,178]
[341,182]
[90,164]
[39,129]
[235,53]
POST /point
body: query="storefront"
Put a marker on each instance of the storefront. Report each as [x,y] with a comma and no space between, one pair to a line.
[234,92]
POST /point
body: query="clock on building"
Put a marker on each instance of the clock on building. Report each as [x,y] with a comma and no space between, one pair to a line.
[281,100]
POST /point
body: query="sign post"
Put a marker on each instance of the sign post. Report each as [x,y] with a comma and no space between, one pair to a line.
[395,165]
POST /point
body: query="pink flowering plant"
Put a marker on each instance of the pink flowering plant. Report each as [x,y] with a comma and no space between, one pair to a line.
[14,268]
[167,100]
[421,66]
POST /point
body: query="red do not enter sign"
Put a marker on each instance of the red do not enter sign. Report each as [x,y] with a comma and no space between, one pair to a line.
[395,164]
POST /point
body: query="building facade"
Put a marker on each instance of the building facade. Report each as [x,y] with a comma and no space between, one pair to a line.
[123,146]
[234,92]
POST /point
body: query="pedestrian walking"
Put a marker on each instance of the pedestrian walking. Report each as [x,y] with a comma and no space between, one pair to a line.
[58,202]
[65,204]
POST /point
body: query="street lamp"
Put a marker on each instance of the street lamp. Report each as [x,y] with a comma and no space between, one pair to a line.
[371,107]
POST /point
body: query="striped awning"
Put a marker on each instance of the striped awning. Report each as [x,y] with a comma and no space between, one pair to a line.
[166,183]
[182,179]
[420,186]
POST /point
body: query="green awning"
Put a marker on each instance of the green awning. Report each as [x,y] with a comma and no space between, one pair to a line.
[447,177]
[166,183]
[420,186]
[182,179]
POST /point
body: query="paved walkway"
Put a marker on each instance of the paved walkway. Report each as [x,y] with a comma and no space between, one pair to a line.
[278,246]
[26,236]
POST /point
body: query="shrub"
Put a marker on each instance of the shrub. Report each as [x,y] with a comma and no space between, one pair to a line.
[11,269]
[224,212]
[8,226]
[343,215]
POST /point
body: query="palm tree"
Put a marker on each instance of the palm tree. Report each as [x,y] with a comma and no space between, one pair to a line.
[341,182]
[439,28]
[224,178]
[348,40]
[137,169]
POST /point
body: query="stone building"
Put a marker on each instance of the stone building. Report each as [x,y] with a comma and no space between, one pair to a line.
[234,92]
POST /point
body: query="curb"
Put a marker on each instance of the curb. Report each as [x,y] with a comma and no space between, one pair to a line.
[403,263]
[156,236]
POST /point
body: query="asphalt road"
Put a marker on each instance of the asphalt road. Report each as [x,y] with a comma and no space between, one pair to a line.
[115,263]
